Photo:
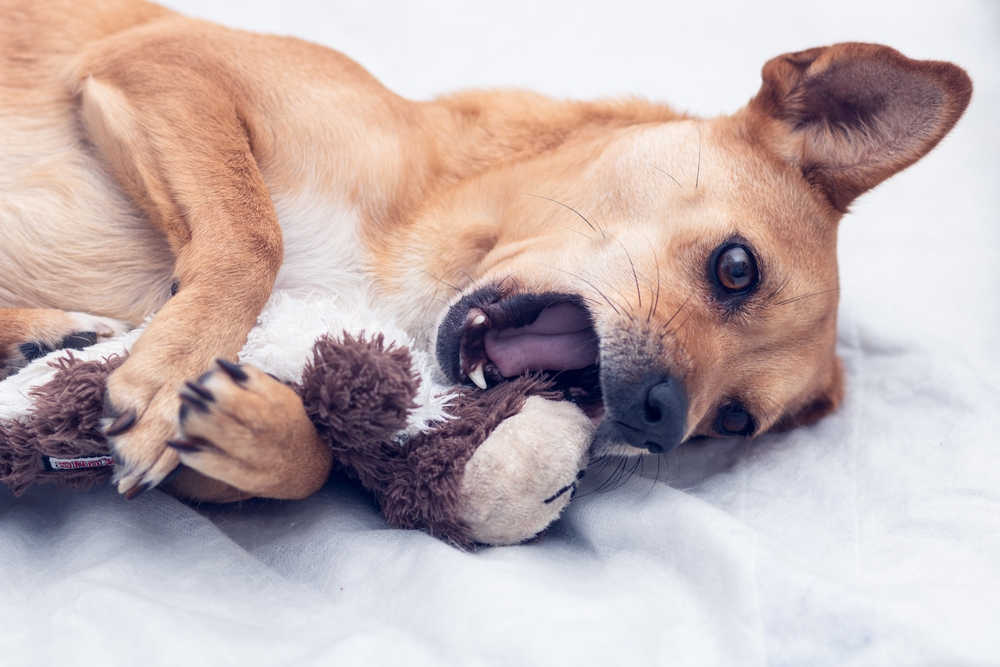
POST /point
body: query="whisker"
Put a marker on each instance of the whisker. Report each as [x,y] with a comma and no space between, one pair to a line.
[567,206]
[444,282]
[697,173]
[806,296]
[668,175]
[666,325]
[595,288]
[635,276]
[778,291]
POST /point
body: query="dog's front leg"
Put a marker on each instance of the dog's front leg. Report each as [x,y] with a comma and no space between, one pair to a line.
[177,143]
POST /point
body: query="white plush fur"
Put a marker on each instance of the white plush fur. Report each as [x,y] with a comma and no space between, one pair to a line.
[281,343]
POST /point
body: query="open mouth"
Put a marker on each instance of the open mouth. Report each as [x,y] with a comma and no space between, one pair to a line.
[487,338]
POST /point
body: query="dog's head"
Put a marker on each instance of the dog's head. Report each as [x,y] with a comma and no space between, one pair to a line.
[680,278]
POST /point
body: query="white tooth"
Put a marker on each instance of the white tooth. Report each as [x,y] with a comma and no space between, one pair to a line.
[479,320]
[478,377]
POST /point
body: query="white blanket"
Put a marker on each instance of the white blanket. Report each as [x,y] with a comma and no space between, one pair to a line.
[872,538]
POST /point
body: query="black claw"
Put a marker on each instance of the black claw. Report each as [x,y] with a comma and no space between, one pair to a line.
[232,370]
[193,401]
[200,391]
[171,475]
[183,446]
[137,490]
[79,340]
[204,376]
[32,351]
[581,474]
[124,422]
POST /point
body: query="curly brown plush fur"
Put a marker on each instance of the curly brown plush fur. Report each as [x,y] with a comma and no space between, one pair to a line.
[357,392]
[64,423]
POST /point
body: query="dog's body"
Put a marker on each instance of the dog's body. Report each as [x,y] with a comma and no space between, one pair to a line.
[154,163]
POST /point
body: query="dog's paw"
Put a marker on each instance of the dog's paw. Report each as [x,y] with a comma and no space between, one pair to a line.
[523,476]
[140,416]
[240,426]
[67,330]
[98,328]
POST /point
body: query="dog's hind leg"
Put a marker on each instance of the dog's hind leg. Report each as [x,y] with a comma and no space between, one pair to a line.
[29,333]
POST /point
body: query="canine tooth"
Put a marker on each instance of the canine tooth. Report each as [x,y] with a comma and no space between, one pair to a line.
[478,377]
[476,318]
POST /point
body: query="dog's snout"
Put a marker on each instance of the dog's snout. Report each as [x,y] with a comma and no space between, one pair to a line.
[650,414]
[663,415]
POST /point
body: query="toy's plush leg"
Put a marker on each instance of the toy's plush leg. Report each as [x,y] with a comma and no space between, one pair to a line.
[29,333]
[499,472]
[60,441]
[519,481]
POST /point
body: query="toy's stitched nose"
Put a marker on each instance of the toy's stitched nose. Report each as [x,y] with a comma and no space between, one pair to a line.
[654,414]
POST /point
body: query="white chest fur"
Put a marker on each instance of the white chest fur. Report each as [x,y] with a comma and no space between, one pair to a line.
[323,250]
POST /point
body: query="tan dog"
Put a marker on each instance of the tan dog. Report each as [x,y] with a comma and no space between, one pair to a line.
[683,268]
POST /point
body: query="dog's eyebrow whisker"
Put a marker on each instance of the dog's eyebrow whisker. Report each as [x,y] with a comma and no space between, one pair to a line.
[567,206]
[668,175]
[806,296]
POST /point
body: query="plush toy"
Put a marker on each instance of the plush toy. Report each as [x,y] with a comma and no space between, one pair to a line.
[469,466]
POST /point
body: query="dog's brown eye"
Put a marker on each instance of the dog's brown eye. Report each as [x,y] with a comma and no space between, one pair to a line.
[735,269]
[733,419]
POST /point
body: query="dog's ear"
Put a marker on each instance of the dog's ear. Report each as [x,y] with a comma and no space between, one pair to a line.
[851,115]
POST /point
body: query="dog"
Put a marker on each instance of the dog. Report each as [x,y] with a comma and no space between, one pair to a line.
[676,275]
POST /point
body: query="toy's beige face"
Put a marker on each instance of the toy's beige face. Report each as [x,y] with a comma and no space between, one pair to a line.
[671,269]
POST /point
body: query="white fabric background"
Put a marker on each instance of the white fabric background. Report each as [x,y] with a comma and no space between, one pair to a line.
[870,539]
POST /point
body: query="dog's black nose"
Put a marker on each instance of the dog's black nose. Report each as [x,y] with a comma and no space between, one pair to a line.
[650,414]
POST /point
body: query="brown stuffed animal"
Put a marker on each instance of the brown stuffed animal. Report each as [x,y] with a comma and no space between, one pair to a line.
[497,468]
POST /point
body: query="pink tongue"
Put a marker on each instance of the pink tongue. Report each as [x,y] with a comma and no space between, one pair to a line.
[559,339]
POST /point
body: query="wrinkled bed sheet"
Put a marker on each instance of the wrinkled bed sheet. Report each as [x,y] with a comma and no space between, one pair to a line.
[872,538]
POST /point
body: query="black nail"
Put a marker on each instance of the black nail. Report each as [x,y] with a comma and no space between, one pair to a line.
[200,391]
[79,340]
[581,474]
[183,446]
[204,376]
[171,475]
[193,401]
[232,370]
[137,490]
[175,286]
[124,422]
[32,351]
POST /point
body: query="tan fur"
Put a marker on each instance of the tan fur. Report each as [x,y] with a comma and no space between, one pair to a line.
[172,141]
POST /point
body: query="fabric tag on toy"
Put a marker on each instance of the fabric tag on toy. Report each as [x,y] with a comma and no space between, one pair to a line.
[53,463]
